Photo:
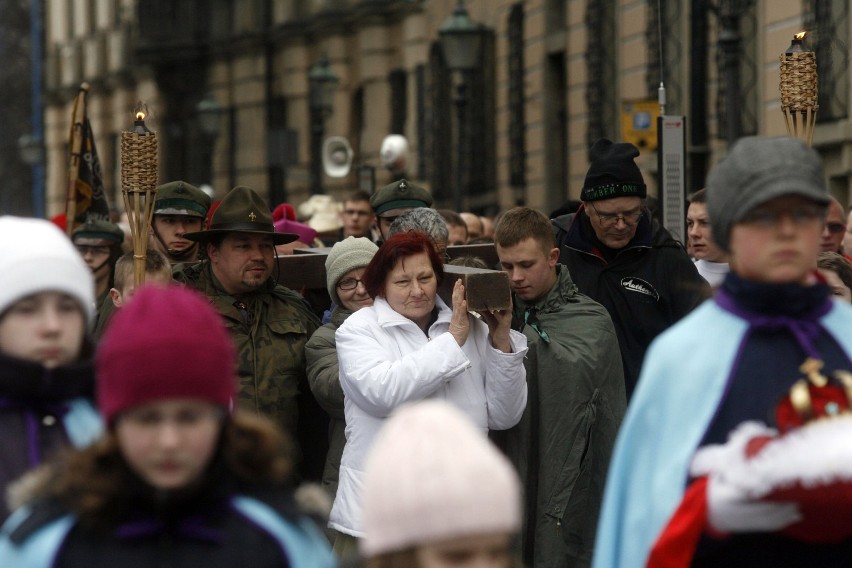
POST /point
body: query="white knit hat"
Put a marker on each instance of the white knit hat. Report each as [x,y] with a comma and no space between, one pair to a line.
[346,255]
[432,475]
[35,256]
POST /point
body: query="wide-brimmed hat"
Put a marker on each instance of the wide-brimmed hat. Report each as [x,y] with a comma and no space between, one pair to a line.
[242,210]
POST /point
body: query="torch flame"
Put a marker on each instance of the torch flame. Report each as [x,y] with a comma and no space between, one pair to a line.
[140,110]
[801,35]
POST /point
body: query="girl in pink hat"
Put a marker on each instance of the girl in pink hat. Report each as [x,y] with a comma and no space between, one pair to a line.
[178,479]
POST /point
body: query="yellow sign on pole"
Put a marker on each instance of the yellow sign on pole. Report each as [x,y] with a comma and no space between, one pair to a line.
[639,123]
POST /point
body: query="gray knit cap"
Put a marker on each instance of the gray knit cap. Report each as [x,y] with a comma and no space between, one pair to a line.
[756,170]
[346,255]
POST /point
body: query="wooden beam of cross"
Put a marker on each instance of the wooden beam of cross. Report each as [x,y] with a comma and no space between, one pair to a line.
[304,272]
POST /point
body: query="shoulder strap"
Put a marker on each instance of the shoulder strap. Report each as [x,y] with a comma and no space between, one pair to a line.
[301,541]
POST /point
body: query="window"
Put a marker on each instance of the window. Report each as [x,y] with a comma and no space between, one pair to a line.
[601,61]
[827,22]
[517,119]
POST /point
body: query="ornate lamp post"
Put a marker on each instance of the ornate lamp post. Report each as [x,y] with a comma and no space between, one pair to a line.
[461,42]
[209,113]
[322,84]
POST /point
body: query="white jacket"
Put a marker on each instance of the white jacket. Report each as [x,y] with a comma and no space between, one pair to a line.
[386,360]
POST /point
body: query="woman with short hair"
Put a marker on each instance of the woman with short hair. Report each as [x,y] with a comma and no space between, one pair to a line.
[410,345]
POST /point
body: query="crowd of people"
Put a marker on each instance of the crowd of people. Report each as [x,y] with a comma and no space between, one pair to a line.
[209,415]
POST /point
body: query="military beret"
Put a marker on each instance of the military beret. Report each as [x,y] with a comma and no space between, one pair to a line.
[398,194]
[98,229]
[181,198]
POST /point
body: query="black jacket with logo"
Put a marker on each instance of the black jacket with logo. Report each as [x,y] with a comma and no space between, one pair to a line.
[647,286]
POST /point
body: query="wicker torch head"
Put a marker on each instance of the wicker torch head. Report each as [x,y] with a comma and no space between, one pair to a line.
[139,186]
[799,93]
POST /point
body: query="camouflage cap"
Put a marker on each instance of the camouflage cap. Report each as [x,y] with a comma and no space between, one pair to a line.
[181,198]
[98,229]
[242,210]
[398,194]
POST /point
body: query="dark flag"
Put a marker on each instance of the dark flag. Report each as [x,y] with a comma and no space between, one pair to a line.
[86,198]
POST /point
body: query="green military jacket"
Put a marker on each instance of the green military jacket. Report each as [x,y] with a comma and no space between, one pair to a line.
[270,341]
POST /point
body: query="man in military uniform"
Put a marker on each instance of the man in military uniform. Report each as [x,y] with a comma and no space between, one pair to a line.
[180,208]
[394,199]
[99,243]
[269,323]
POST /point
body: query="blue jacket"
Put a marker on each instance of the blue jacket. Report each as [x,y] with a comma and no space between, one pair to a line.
[249,532]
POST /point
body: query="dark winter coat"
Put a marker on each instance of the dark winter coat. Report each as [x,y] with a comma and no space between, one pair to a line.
[647,286]
[235,530]
[42,411]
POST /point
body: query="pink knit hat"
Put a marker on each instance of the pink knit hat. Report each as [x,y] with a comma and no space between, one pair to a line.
[432,475]
[166,343]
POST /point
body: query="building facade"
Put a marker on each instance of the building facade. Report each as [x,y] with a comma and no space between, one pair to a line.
[553,76]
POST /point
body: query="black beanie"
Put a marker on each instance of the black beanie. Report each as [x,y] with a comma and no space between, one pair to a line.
[612,172]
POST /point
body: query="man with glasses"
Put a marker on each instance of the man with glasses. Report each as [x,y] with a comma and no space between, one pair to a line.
[623,259]
[99,243]
[834,229]
[357,216]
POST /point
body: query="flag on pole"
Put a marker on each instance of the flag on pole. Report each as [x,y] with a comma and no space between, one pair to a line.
[85,197]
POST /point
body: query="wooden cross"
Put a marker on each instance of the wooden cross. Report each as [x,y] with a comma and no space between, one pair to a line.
[304,272]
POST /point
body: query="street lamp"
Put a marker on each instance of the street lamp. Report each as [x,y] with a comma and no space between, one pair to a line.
[461,42]
[209,113]
[322,85]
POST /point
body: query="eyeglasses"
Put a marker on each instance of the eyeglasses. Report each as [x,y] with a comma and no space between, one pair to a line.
[349,283]
[835,228]
[356,213]
[94,250]
[768,218]
[630,218]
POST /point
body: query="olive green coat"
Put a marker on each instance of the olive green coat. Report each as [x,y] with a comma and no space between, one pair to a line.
[324,378]
[562,444]
[270,344]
